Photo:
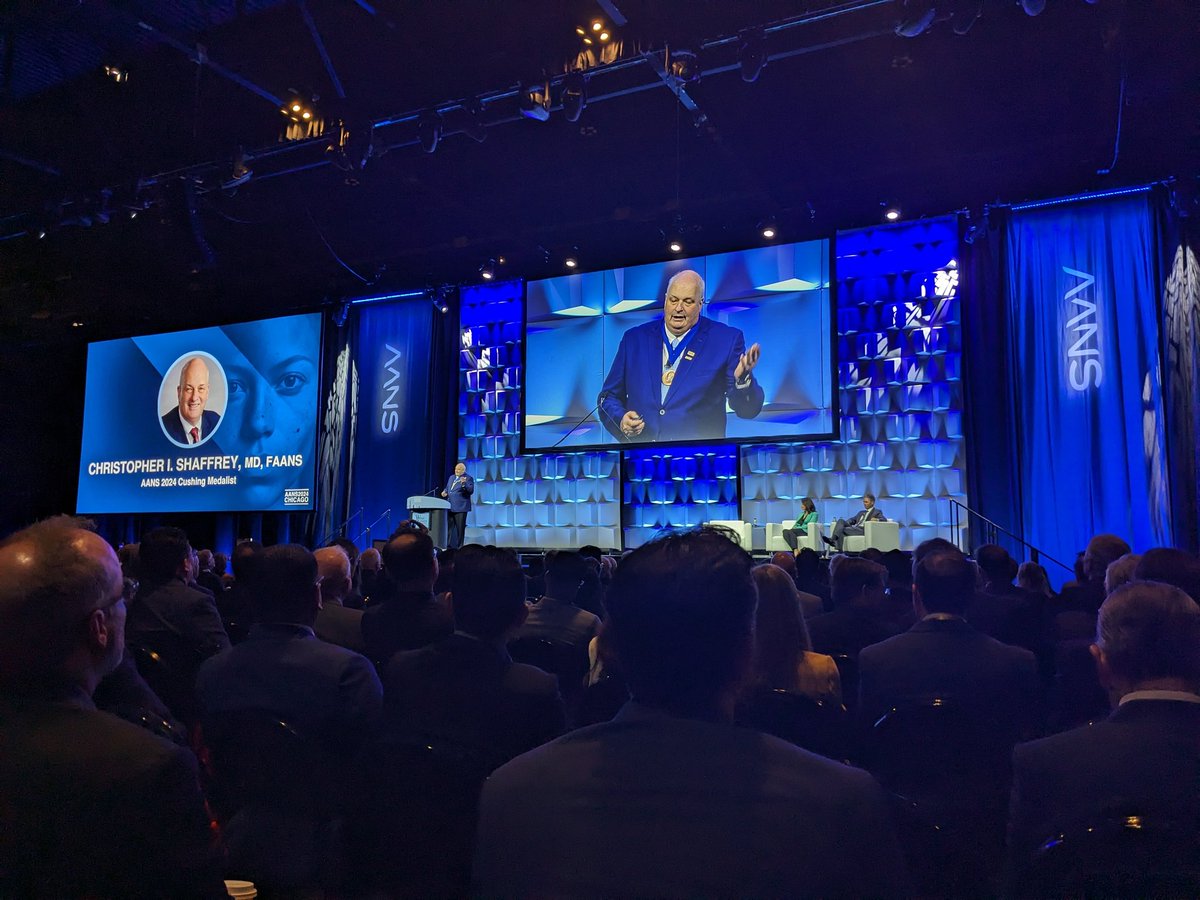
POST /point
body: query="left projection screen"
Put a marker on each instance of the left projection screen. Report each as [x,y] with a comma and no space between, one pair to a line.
[208,420]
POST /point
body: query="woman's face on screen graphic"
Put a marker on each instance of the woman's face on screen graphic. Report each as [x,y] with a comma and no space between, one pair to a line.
[272,402]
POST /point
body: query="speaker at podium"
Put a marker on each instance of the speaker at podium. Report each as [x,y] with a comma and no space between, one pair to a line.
[434,514]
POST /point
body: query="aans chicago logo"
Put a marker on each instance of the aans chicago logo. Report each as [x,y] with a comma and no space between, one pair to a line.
[389,409]
[295,497]
[1085,365]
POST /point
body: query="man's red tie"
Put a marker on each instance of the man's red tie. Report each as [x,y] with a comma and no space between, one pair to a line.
[195,433]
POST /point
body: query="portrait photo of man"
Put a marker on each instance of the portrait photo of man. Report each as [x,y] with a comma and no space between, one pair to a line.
[191,422]
[671,379]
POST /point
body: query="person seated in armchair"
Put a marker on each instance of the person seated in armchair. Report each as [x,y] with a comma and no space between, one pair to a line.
[855,524]
[807,517]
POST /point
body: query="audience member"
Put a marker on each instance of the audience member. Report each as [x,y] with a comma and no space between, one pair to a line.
[130,563]
[943,656]
[999,608]
[178,622]
[810,604]
[1143,759]
[1171,566]
[408,615]
[370,565]
[1120,571]
[1032,577]
[207,577]
[1087,595]
[812,576]
[783,657]
[628,807]
[858,618]
[554,616]
[466,689]
[91,806]
[354,597]
[335,623]
[326,691]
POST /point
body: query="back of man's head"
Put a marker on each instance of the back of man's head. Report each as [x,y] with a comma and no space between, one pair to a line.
[206,560]
[1102,550]
[1122,571]
[565,572]
[591,551]
[681,619]
[785,561]
[996,564]
[370,560]
[285,585]
[53,579]
[857,582]
[1150,631]
[944,582]
[163,550]
[489,591]
[245,561]
[933,545]
[1171,566]
[410,561]
[348,547]
[807,562]
[333,568]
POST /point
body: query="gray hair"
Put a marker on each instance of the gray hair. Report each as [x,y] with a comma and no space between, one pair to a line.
[693,273]
[1149,630]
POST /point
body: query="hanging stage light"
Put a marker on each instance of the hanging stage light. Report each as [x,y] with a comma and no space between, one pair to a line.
[475,128]
[915,17]
[533,103]
[488,270]
[752,54]
[964,15]
[574,96]
[1033,7]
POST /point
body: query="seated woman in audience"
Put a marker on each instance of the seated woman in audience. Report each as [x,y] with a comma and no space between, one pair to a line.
[783,657]
[1033,578]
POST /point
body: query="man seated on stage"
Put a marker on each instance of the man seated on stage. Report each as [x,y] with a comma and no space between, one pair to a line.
[91,806]
[629,808]
[670,380]
[842,527]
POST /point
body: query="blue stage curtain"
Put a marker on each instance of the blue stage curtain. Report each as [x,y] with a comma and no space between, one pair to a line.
[392,358]
[1082,303]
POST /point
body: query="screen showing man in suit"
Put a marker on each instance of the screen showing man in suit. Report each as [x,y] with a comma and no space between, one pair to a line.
[189,423]
[700,367]
[735,346]
[209,419]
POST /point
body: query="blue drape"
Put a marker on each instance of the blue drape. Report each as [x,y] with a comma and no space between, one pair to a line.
[1083,347]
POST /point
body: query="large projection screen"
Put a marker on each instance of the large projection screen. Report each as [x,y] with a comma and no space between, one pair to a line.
[594,349]
[207,420]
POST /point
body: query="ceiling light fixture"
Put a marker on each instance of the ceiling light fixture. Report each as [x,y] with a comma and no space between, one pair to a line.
[752,54]
[574,96]
[488,270]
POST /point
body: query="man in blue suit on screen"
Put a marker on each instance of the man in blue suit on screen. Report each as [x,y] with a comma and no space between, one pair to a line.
[670,380]
[189,423]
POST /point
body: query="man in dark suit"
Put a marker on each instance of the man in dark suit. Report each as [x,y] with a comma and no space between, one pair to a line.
[189,423]
[670,380]
[943,656]
[466,689]
[1003,610]
[178,622]
[628,807]
[336,623]
[1142,760]
[858,618]
[405,615]
[459,488]
[854,525]
[91,806]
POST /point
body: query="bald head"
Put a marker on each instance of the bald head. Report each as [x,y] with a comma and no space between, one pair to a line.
[60,625]
[684,297]
[370,561]
[192,392]
[333,568]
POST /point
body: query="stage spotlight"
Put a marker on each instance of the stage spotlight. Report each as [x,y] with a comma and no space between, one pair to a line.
[752,54]
[891,211]
[429,130]
[117,74]
[296,107]
[306,115]
[580,30]
[77,324]
[915,17]
[1033,7]
[964,15]
[41,234]
[488,270]
[533,103]
[604,36]
[574,96]
[571,260]
[597,25]
[767,229]
[674,242]
[500,260]
[684,65]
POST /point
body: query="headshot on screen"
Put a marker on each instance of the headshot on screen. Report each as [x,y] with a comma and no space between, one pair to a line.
[272,411]
[192,399]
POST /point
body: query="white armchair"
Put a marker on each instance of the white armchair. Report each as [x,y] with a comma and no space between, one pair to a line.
[883,536]
[810,539]
[743,531]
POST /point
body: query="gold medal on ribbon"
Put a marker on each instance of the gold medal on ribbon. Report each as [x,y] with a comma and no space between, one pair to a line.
[668,377]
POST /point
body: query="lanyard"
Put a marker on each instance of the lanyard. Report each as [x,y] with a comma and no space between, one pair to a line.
[674,353]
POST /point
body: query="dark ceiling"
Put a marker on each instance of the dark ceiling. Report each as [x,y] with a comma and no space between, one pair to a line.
[847,116]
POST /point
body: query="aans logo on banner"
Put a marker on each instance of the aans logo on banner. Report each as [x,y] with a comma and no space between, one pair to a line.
[389,409]
[1085,366]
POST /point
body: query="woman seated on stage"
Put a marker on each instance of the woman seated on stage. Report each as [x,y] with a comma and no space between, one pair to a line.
[807,517]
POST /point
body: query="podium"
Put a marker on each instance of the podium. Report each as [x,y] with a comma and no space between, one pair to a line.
[434,514]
